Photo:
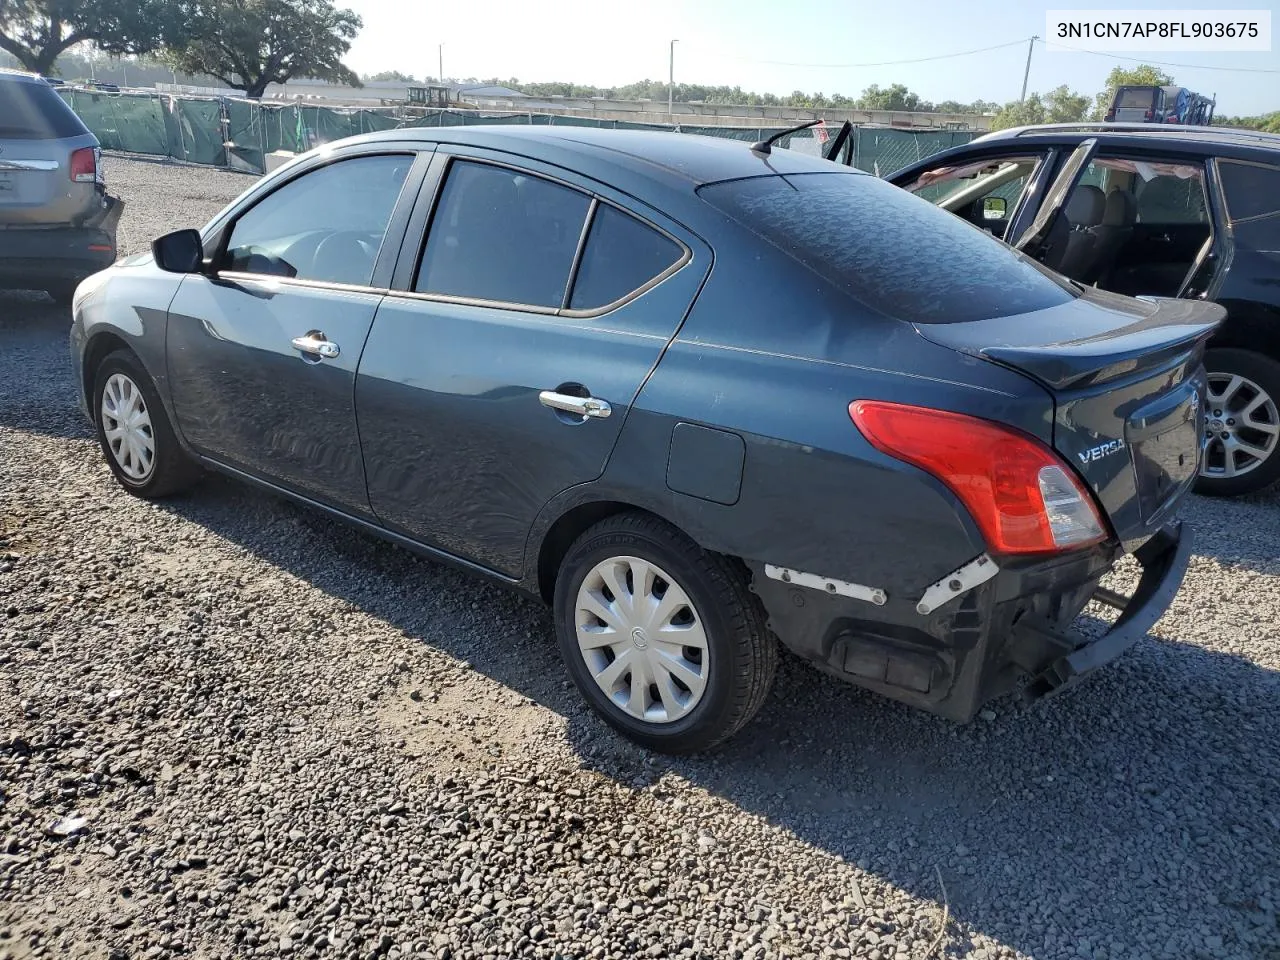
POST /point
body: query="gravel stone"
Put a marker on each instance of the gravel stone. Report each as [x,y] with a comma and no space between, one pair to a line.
[223,687]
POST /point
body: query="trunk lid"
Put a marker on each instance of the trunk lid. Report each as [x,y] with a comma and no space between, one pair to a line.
[1127,381]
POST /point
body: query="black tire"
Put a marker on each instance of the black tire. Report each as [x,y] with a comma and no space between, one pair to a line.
[171,470]
[1265,374]
[742,654]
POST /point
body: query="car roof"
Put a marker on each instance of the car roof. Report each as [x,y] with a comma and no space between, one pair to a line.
[20,76]
[691,159]
[1185,138]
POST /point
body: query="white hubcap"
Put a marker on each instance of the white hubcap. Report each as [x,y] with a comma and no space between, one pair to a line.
[642,640]
[1241,426]
[127,425]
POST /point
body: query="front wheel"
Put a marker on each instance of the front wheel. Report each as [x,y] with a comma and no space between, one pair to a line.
[663,639]
[134,431]
[1241,429]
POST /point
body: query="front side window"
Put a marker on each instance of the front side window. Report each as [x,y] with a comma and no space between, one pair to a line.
[327,225]
[953,186]
[502,235]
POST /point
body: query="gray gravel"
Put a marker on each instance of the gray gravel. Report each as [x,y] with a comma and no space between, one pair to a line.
[229,727]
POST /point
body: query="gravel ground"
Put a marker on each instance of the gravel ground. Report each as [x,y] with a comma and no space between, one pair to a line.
[229,727]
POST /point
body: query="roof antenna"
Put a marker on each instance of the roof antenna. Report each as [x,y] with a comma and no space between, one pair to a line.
[766,146]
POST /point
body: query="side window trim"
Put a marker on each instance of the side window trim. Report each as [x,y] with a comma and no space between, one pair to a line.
[418,235]
[392,239]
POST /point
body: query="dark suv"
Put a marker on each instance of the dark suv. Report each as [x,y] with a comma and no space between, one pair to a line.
[1191,212]
[57,223]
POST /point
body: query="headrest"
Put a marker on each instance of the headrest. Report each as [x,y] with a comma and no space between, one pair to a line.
[1122,209]
[1085,207]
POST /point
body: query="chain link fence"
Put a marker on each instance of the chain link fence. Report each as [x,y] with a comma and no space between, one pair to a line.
[241,133]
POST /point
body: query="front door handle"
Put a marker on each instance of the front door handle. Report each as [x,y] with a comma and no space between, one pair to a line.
[316,344]
[582,406]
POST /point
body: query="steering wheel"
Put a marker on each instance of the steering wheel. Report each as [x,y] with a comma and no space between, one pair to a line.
[344,257]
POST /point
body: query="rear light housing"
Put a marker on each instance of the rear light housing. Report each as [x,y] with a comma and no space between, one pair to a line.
[86,165]
[1022,495]
[1148,115]
[1111,115]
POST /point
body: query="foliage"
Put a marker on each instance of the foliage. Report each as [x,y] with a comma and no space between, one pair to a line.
[248,44]
[37,32]
[1063,105]
[394,76]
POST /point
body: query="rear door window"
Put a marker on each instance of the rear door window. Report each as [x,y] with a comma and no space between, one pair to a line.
[621,256]
[33,111]
[502,235]
[1251,189]
[892,251]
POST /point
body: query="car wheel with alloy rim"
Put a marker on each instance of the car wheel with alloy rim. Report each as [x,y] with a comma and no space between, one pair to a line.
[1241,427]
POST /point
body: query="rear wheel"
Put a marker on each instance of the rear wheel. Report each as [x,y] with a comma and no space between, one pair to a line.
[134,430]
[663,639]
[1241,429]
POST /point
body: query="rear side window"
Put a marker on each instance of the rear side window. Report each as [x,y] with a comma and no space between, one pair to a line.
[32,111]
[621,256]
[894,252]
[1251,189]
[502,235]
[1171,200]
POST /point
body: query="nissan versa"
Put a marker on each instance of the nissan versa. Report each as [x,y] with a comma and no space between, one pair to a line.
[699,396]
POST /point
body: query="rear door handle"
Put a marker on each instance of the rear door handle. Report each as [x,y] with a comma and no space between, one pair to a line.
[582,406]
[316,344]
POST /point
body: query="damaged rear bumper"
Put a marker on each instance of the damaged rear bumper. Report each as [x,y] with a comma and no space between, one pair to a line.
[999,629]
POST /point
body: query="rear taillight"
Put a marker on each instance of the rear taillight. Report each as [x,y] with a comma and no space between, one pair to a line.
[1023,497]
[1148,115]
[1111,115]
[84,165]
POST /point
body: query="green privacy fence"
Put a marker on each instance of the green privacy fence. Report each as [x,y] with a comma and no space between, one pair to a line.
[240,133]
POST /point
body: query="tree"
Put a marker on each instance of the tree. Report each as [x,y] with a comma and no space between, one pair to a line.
[1063,105]
[248,44]
[1143,75]
[896,97]
[36,32]
[1020,113]
[394,76]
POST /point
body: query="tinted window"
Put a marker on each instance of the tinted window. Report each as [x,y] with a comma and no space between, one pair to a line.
[32,111]
[622,255]
[504,235]
[326,225]
[1251,190]
[894,252]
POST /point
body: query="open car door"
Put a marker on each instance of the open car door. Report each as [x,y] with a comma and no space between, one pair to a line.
[1049,226]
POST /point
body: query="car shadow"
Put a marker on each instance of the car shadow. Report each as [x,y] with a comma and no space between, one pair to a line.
[31,328]
[1023,800]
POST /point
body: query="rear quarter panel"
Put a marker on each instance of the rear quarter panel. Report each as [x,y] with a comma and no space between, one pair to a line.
[773,356]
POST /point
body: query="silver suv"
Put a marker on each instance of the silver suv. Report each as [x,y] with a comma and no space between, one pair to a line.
[57,222]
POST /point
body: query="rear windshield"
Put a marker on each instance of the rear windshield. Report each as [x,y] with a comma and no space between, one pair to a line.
[33,111]
[1142,97]
[894,252]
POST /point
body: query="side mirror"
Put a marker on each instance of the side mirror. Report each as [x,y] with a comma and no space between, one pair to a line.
[994,208]
[179,252]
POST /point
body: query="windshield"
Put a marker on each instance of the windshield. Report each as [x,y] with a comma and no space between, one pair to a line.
[894,252]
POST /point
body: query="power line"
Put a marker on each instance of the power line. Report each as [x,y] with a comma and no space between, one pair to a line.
[1157,63]
[884,63]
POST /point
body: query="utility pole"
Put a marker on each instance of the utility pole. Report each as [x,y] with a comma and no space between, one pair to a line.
[440,51]
[1031,45]
[671,84]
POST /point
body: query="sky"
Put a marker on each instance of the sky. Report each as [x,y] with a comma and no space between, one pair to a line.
[779,46]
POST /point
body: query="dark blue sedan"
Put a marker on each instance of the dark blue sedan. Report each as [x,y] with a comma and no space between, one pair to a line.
[701,397]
